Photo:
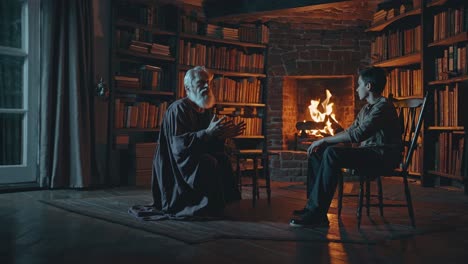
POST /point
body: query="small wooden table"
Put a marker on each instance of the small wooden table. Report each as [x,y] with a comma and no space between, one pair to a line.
[255,154]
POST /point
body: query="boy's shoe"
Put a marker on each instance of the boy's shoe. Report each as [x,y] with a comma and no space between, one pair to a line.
[300,212]
[310,220]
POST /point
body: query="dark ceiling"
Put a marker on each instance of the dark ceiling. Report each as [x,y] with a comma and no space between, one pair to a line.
[320,13]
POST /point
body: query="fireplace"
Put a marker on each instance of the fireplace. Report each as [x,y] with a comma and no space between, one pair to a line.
[298,91]
[302,63]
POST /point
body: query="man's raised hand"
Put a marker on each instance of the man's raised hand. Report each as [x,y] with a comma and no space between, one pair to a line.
[215,128]
[231,130]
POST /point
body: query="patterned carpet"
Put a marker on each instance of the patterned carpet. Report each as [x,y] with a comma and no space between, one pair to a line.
[269,222]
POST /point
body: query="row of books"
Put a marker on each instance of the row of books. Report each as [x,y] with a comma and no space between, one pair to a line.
[181,86]
[450,22]
[396,43]
[449,153]
[215,31]
[452,64]
[387,14]
[225,89]
[404,82]
[149,79]
[416,160]
[153,48]
[408,127]
[446,106]
[254,33]
[245,32]
[246,112]
[221,58]
[138,114]
[253,125]
[246,90]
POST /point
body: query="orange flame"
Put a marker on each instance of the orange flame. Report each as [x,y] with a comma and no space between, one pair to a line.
[318,116]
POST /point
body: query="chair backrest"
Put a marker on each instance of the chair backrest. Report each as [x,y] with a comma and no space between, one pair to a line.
[411,115]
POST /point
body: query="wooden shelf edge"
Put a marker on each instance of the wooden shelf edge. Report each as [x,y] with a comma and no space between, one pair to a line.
[222,41]
[226,73]
[437,3]
[440,128]
[250,137]
[146,92]
[134,130]
[411,173]
[381,26]
[448,81]
[460,37]
[446,175]
[145,55]
[240,104]
[123,23]
[414,58]
[420,96]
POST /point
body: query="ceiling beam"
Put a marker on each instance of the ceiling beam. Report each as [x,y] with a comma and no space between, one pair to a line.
[248,10]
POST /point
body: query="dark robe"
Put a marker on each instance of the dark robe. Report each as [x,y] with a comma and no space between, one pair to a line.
[192,175]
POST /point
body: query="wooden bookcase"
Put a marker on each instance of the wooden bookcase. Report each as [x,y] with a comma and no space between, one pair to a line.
[397,46]
[447,42]
[154,43]
[424,49]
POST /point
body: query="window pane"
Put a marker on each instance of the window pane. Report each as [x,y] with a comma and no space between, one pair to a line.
[11,138]
[10,23]
[11,82]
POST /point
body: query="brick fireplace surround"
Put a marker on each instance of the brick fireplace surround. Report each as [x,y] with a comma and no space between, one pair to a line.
[302,58]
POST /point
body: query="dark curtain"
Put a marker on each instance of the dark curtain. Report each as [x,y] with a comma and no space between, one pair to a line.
[67,157]
[465,152]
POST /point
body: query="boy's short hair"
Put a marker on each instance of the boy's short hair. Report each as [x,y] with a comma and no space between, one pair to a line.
[376,76]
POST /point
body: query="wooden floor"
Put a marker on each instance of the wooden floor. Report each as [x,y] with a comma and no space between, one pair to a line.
[34,232]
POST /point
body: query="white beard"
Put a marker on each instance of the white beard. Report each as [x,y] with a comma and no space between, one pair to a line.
[203,101]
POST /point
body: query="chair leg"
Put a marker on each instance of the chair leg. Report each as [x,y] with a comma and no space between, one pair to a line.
[379,187]
[367,196]
[340,193]
[254,183]
[239,177]
[361,197]
[409,202]
[267,179]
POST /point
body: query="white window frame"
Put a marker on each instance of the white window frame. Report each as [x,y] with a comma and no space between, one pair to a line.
[28,170]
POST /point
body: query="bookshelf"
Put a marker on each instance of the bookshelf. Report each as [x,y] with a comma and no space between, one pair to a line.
[447,43]
[397,46]
[236,56]
[143,70]
[154,43]
[424,50]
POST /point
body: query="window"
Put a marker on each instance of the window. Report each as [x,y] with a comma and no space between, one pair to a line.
[19,90]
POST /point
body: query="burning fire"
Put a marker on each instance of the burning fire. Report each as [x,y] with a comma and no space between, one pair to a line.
[322,117]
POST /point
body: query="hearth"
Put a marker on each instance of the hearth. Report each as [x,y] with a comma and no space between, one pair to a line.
[298,91]
[291,106]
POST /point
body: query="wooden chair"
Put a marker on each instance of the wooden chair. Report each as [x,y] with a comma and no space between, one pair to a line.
[255,155]
[411,114]
[246,149]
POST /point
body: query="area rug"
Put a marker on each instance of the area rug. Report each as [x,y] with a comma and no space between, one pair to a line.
[244,222]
